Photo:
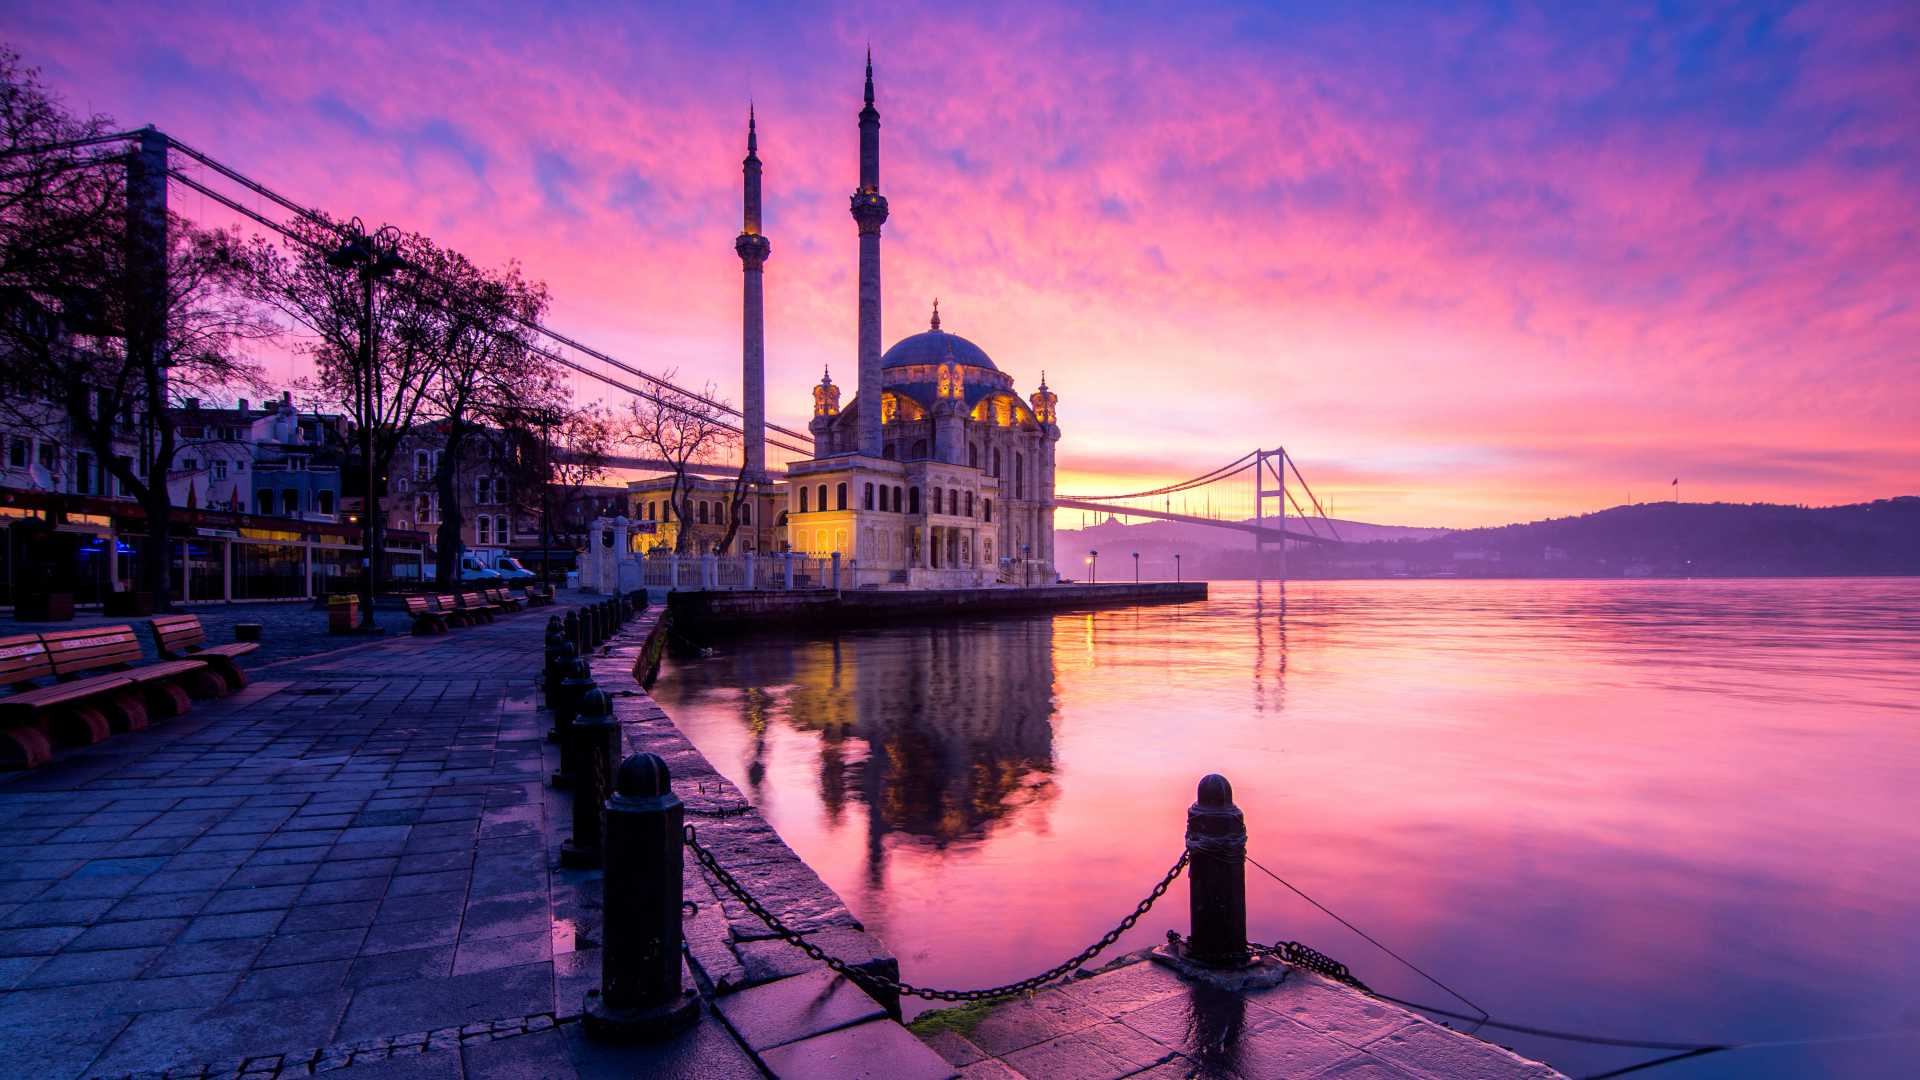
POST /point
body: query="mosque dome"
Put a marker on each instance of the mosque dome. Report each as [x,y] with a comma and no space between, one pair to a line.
[931,348]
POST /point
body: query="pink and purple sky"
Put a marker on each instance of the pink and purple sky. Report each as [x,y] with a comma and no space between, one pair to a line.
[1469,263]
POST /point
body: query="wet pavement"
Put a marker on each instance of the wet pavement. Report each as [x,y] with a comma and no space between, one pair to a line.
[1137,1018]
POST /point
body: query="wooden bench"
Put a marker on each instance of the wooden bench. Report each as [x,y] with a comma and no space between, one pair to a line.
[479,606]
[182,637]
[425,620]
[538,595]
[30,714]
[164,685]
[448,607]
[502,597]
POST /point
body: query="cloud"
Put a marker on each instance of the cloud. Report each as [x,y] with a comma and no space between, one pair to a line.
[1475,264]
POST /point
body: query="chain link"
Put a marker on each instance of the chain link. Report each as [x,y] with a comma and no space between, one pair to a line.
[882,982]
[1306,956]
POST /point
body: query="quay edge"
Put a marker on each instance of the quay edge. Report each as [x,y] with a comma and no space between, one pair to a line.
[696,611]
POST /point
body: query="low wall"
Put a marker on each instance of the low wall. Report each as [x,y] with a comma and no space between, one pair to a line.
[693,612]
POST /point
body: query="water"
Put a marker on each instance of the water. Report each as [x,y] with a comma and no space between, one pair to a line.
[1679,810]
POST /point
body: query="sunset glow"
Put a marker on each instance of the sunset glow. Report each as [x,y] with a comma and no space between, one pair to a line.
[1469,267]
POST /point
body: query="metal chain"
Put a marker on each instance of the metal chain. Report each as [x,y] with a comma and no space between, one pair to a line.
[1025,986]
[1306,956]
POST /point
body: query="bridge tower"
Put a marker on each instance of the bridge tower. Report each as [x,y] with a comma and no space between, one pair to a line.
[1270,463]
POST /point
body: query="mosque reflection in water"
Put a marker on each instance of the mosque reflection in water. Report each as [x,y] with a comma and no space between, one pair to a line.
[941,732]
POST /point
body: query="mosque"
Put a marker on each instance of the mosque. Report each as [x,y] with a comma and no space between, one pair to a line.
[936,474]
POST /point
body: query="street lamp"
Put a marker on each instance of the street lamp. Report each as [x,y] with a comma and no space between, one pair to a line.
[372,256]
[1093,567]
[1026,560]
[1136,568]
[1176,566]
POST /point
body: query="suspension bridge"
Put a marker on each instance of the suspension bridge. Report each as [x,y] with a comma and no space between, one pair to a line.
[1251,494]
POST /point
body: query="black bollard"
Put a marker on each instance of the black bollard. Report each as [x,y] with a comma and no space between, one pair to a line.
[608,621]
[570,626]
[559,655]
[597,737]
[1217,876]
[577,681]
[642,994]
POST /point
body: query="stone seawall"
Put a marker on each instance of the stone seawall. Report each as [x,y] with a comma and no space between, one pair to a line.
[694,612]
[788,1010]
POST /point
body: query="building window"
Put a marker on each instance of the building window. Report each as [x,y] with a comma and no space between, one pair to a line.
[746,513]
[869,496]
[996,461]
[423,508]
[969,504]
[263,503]
[1019,477]
[323,502]
[973,455]
[189,464]
[702,505]
[422,465]
[821,493]
[483,530]
[289,502]
[220,470]
[50,456]
[83,473]
[19,453]
[986,508]
[938,502]
[840,496]
[913,500]
[503,529]
[896,499]
[803,498]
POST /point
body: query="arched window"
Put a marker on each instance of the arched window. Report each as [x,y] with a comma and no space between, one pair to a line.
[969,504]
[868,504]
[973,455]
[483,530]
[937,502]
[896,499]
[703,511]
[746,513]
[913,500]
[890,452]
[919,450]
[503,529]
[803,498]
[1019,476]
[986,507]
[840,495]
[996,461]
[821,492]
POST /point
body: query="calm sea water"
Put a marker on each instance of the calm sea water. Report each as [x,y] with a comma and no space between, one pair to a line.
[1679,810]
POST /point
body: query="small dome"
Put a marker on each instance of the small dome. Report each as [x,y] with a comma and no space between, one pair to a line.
[931,348]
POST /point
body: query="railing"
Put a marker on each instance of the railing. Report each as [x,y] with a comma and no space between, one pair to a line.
[732,573]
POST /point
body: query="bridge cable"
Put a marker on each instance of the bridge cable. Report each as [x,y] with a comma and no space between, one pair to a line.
[1303,484]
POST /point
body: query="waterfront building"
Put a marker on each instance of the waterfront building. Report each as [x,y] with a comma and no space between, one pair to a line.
[936,474]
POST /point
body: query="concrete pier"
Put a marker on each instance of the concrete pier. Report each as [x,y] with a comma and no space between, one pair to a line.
[696,612]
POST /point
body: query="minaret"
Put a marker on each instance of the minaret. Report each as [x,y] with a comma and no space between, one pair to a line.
[753,250]
[869,212]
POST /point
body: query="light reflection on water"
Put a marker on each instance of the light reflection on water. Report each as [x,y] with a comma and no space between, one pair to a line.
[1674,809]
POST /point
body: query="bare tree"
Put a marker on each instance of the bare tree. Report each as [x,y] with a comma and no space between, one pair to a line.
[684,430]
[114,310]
[556,451]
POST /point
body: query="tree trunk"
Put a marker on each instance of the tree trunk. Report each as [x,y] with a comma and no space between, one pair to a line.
[156,562]
[447,544]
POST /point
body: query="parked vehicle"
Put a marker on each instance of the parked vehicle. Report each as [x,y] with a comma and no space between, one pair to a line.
[510,569]
[472,569]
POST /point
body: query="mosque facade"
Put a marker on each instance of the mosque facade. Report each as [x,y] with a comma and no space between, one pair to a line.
[936,473]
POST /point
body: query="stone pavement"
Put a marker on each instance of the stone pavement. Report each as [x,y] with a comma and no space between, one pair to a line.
[1136,1018]
[349,863]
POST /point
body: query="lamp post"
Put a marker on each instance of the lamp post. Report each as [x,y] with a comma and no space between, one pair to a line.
[372,256]
[1026,561]
[1136,568]
[1176,566]
[546,502]
[1093,567]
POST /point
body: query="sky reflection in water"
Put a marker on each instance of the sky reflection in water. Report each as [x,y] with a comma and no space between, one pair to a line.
[1674,809]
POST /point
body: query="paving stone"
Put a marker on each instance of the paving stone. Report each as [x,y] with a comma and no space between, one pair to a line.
[37,941]
[160,906]
[418,884]
[1317,1003]
[107,965]
[1219,1029]
[222,1033]
[1124,988]
[1023,1023]
[243,924]
[1102,1052]
[128,935]
[954,1048]
[505,916]
[57,912]
[1428,1048]
[796,1007]
[483,954]
[372,969]
[312,946]
[430,1003]
[878,1050]
[321,977]
[307,917]
[263,898]
[398,936]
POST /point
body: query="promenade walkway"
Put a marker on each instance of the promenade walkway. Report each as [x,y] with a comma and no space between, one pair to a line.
[347,864]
